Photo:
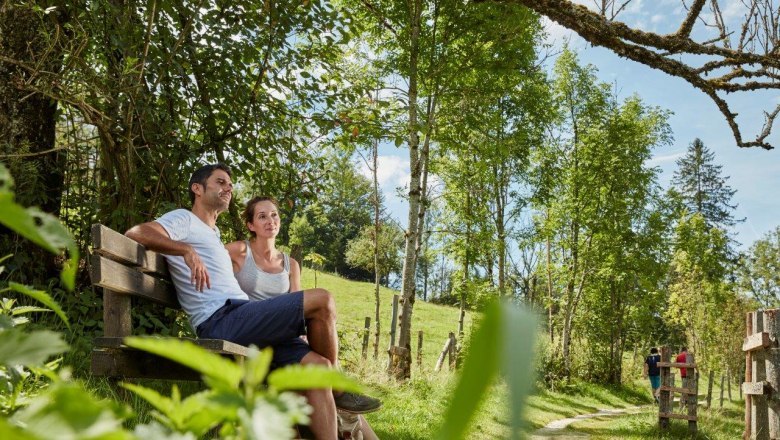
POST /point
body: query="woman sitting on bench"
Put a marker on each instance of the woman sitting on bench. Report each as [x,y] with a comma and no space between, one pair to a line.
[264,272]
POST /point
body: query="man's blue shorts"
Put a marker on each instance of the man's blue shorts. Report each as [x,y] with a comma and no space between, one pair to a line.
[276,322]
[655,381]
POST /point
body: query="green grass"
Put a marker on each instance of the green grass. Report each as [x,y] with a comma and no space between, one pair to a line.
[414,410]
[715,423]
[355,301]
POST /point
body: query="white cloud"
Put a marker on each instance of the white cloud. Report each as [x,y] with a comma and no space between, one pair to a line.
[658,160]
[391,171]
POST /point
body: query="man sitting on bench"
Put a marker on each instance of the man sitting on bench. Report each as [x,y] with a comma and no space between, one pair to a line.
[202,272]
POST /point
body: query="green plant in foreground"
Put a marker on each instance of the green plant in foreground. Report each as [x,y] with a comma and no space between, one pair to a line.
[236,399]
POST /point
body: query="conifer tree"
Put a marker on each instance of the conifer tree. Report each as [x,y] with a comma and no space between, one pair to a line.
[703,188]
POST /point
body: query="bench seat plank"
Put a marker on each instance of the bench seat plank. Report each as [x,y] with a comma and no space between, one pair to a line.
[119,278]
[220,346]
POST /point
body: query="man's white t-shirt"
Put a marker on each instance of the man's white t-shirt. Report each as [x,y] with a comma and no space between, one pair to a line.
[183,225]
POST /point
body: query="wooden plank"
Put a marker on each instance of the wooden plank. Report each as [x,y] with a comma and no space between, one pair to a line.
[665,397]
[758,341]
[220,346]
[677,416]
[755,388]
[117,247]
[772,327]
[692,382]
[678,390]
[119,278]
[117,320]
[692,365]
[138,364]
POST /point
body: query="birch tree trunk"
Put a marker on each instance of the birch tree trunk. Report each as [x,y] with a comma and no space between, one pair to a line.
[401,357]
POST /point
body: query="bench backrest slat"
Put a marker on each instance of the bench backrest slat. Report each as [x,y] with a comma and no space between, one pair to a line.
[113,245]
[127,280]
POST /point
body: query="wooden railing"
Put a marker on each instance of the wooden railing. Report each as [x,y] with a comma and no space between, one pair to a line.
[688,391]
[762,375]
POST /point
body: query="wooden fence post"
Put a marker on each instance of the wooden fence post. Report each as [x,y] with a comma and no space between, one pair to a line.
[760,411]
[365,337]
[393,322]
[728,382]
[748,378]
[665,404]
[692,399]
[444,351]
[709,388]
[772,326]
[419,348]
[452,356]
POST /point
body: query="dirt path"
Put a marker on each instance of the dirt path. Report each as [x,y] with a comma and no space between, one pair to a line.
[557,428]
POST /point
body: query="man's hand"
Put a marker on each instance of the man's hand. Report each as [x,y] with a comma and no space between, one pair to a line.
[199,276]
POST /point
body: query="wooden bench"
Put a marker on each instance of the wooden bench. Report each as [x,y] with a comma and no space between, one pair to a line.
[128,272]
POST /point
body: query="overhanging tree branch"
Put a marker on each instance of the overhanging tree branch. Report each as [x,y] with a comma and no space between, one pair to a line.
[752,66]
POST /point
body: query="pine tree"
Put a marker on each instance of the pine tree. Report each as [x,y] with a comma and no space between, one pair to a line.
[703,188]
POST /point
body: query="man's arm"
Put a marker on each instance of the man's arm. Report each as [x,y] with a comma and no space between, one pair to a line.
[645,370]
[155,238]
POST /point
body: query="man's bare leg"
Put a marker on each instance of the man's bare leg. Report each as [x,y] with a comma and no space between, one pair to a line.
[319,309]
[323,417]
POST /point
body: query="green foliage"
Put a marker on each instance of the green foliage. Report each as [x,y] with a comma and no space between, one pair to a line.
[760,272]
[41,228]
[360,250]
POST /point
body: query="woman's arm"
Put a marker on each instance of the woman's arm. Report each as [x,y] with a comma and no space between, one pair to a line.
[237,252]
[295,276]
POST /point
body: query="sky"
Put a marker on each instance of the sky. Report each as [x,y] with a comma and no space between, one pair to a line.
[754,173]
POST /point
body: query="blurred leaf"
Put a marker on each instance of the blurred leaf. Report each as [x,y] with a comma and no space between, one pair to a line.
[42,297]
[504,340]
[8,431]
[34,348]
[220,371]
[306,377]
[256,366]
[518,328]
[68,411]
[479,369]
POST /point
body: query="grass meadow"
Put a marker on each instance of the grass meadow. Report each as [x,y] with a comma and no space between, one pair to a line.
[414,410]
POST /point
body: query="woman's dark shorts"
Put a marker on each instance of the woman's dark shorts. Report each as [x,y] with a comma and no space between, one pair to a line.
[276,322]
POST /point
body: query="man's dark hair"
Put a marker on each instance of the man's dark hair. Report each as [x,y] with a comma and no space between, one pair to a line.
[202,174]
[653,350]
[683,348]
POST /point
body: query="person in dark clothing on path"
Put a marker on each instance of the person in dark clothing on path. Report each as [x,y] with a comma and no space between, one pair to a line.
[653,371]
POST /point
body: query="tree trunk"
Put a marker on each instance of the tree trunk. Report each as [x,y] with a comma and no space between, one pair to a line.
[401,367]
[377,274]
[28,120]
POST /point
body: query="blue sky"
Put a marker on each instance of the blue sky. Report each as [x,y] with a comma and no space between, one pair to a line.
[754,173]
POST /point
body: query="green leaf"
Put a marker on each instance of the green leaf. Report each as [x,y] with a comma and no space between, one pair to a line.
[306,377]
[17,347]
[41,228]
[518,327]
[68,411]
[256,366]
[42,297]
[28,309]
[479,370]
[220,371]
[158,401]
[12,432]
